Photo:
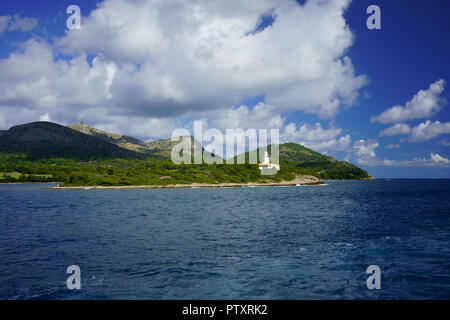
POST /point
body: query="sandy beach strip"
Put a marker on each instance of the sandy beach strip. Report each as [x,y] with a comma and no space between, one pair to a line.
[302,180]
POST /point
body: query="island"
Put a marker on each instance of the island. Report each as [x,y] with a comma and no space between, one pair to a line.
[80,156]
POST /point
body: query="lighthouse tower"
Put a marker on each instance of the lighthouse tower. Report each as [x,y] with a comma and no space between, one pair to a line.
[266,157]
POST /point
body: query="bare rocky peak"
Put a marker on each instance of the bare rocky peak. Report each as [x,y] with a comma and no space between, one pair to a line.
[162,147]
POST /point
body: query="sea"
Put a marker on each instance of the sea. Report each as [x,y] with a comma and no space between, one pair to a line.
[304,242]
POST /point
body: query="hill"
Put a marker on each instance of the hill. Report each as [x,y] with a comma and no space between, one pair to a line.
[297,158]
[50,140]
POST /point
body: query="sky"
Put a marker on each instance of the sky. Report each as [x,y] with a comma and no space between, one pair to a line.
[312,69]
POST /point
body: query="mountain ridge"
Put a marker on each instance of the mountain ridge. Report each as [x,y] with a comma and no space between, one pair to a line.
[47,139]
[123,141]
[160,147]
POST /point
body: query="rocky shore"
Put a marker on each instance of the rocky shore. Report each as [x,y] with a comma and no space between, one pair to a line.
[304,180]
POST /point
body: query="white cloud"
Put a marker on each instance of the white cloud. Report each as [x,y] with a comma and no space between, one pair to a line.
[428,130]
[64,89]
[364,153]
[17,23]
[143,127]
[435,160]
[168,59]
[445,143]
[317,138]
[399,128]
[424,104]
[364,150]
[45,117]
[260,116]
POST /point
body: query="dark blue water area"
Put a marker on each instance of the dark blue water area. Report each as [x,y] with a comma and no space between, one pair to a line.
[311,242]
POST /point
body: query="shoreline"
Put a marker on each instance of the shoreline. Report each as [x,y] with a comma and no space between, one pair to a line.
[299,181]
[186,186]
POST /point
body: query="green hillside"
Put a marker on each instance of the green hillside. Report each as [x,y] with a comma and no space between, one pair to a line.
[310,162]
[298,159]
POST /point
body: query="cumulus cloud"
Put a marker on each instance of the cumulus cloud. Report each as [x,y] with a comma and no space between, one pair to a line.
[364,150]
[424,104]
[143,127]
[262,115]
[169,59]
[45,117]
[435,160]
[317,138]
[64,89]
[17,23]
[428,130]
[364,153]
[399,128]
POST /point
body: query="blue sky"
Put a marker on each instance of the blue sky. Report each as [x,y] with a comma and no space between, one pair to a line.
[410,52]
[407,55]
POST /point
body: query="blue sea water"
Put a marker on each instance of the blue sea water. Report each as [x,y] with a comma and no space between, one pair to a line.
[228,243]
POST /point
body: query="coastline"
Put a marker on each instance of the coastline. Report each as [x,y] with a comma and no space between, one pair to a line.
[299,180]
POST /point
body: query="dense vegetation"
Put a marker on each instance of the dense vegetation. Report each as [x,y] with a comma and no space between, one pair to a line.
[310,162]
[127,171]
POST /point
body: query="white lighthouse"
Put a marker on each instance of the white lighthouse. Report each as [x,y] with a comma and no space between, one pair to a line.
[266,157]
[267,168]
